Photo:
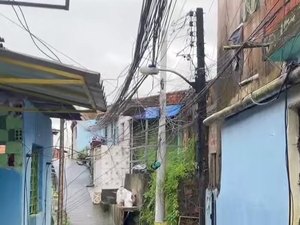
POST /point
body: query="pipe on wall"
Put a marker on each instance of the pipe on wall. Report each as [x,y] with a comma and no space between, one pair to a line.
[260,94]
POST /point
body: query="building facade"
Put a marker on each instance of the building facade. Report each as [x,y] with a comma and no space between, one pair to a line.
[28,100]
[25,168]
[254,161]
[129,142]
[112,158]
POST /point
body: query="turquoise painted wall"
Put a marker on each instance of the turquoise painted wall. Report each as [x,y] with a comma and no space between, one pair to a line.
[36,130]
[11,175]
[10,197]
[254,186]
[84,136]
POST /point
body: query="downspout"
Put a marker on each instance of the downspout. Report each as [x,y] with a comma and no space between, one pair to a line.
[259,95]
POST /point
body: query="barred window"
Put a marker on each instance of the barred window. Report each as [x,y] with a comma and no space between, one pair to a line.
[35,179]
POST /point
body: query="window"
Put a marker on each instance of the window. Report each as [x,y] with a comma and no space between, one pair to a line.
[116,134]
[122,137]
[112,133]
[237,37]
[106,133]
[35,180]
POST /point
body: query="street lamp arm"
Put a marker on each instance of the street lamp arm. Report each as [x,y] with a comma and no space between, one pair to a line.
[155,70]
[180,75]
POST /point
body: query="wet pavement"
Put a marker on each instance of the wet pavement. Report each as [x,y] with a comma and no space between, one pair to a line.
[80,209]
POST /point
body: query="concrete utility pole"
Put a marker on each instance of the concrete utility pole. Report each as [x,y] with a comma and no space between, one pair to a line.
[162,145]
[60,209]
[202,149]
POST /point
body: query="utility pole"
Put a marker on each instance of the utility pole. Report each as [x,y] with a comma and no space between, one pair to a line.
[202,149]
[60,209]
[162,145]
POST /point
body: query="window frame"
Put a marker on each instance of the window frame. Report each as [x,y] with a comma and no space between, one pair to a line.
[36,179]
[122,136]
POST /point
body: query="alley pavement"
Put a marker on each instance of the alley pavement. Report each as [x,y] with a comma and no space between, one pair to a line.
[80,209]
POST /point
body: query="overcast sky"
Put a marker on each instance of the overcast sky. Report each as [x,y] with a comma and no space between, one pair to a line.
[100,34]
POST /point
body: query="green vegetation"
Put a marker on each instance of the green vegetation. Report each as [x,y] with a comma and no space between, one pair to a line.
[83,154]
[66,219]
[180,164]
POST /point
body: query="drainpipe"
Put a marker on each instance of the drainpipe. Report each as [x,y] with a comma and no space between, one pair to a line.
[261,94]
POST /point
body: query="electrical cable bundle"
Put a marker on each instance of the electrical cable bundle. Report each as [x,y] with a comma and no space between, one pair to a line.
[155,17]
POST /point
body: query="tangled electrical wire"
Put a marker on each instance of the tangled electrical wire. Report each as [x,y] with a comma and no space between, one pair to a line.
[155,17]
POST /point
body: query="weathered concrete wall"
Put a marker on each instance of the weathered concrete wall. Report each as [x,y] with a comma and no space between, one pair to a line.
[189,201]
[112,161]
[111,165]
[278,30]
[214,156]
[137,184]
[117,215]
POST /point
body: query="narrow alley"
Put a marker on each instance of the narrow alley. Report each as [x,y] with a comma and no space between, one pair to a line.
[80,209]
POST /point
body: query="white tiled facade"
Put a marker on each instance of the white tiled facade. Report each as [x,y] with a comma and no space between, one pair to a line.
[112,161]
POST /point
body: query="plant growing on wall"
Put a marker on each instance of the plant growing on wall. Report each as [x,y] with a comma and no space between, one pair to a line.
[83,154]
[180,164]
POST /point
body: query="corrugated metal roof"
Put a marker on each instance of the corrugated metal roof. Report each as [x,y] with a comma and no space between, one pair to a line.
[51,81]
[15,102]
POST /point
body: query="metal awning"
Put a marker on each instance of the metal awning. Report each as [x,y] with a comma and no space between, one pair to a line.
[74,89]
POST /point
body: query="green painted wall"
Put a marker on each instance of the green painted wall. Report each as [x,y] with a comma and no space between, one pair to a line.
[11,135]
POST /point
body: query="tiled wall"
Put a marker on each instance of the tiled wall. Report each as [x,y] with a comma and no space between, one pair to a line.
[11,137]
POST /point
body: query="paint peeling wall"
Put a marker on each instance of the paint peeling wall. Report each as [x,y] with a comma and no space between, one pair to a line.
[280,24]
[254,184]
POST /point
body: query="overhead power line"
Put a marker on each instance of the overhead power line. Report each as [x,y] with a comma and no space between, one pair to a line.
[153,17]
[43,42]
[26,27]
